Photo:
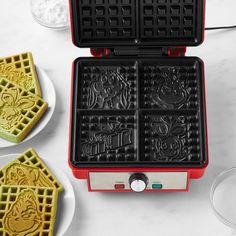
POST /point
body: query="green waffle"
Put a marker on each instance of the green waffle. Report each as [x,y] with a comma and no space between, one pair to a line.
[27,210]
[20,110]
[29,170]
[20,70]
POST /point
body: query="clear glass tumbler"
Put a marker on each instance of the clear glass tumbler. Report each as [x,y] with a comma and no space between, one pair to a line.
[223,197]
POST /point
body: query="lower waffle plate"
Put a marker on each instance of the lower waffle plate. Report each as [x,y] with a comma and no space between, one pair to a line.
[66,201]
[49,95]
[138,113]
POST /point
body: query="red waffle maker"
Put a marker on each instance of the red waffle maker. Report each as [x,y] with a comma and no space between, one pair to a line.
[138,110]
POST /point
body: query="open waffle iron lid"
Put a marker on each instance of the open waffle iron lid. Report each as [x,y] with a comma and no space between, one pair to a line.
[140,23]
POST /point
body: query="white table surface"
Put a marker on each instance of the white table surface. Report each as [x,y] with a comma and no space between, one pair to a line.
[107,214]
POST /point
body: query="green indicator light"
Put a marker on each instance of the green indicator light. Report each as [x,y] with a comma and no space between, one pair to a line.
[157,186]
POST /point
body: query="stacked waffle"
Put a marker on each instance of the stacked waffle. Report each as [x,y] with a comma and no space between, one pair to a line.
[21,105]
[28,197]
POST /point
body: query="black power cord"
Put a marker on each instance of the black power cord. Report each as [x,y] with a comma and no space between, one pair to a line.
[221,27]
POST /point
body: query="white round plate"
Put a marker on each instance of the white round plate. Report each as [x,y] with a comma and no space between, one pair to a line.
[66,203]
[49,95]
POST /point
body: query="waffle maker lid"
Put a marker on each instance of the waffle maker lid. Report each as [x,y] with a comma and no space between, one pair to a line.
[138,23]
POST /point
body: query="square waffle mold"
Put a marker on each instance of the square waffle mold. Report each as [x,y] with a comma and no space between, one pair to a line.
[107,23]
[20,111]
[28,169]
[27,210]
[20,69]
[138,113]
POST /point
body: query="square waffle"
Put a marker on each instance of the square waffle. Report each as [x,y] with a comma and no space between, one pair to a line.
[20,110]
[20,69]
[29,170]
[27,210]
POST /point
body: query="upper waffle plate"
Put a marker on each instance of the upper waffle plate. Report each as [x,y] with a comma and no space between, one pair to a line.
[49,95]
[109,23]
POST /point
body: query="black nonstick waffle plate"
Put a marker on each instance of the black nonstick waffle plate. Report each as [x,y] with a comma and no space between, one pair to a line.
[109,23]
[138,113]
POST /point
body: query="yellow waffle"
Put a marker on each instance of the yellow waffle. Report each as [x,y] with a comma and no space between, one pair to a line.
[27,210]
[20,70]
[19,111]
[29,170]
